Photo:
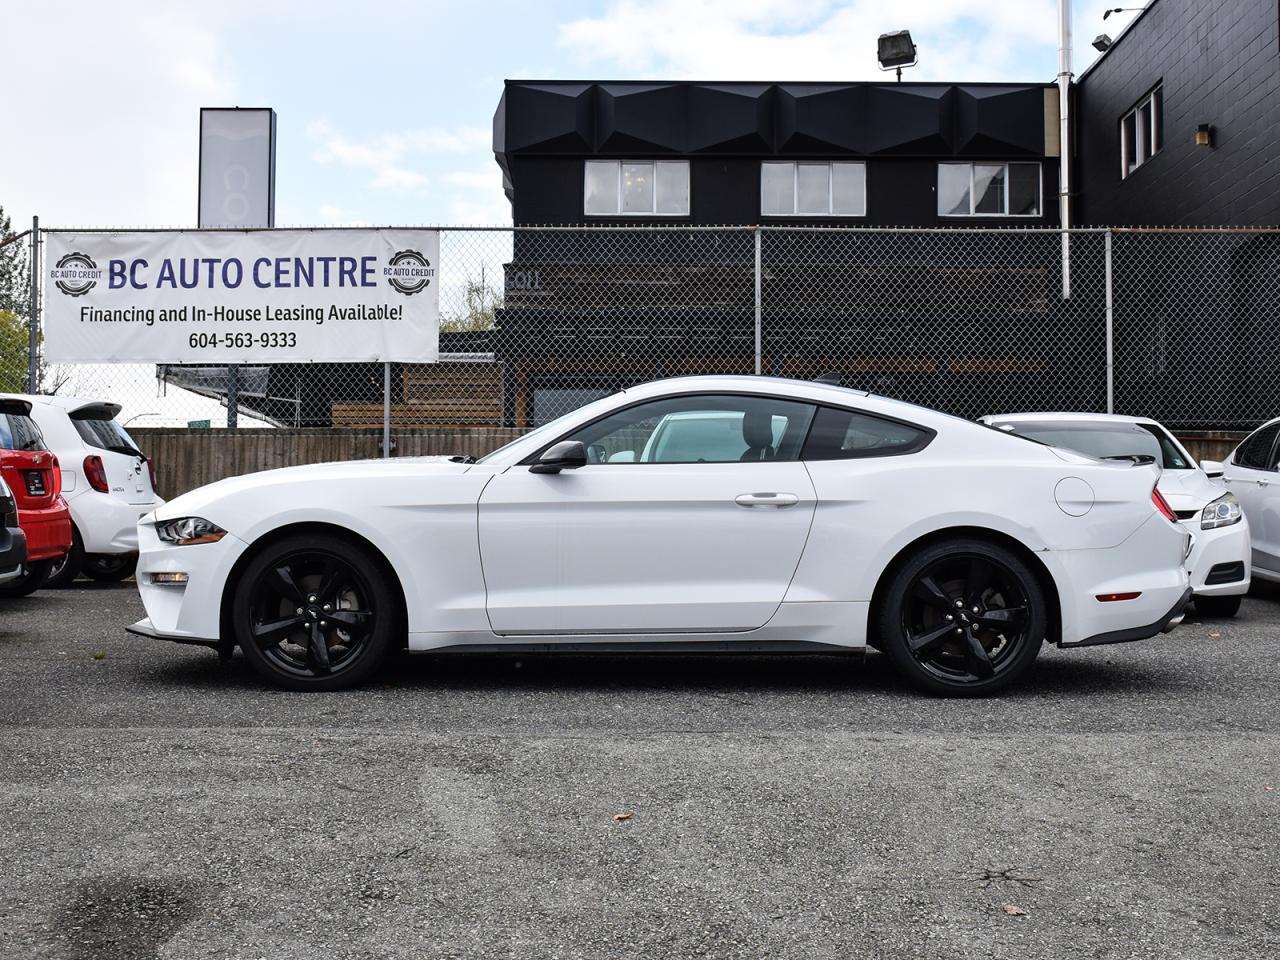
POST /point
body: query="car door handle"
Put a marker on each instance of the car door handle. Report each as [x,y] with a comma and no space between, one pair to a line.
[766,499]
[1264,482]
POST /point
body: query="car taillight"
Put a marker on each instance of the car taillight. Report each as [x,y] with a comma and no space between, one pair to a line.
[151,469]
[95,473]
[1163,505]
[57,475]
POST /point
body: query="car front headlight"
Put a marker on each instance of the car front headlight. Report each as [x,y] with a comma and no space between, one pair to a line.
[189,530]
[1223,512]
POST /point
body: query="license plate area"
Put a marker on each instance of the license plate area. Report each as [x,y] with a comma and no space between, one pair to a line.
[35,483]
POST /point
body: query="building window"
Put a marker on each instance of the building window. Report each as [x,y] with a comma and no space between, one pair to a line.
[636,188]
[989,190]
[834,189]
[1142,132]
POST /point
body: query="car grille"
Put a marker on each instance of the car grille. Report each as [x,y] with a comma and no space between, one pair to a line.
[1187,514]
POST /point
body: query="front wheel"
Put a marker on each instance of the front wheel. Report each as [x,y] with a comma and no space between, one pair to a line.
[314,612]
[963,618]
[1218,607]
[30,580]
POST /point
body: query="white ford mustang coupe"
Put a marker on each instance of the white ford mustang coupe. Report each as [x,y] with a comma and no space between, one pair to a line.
[717,514]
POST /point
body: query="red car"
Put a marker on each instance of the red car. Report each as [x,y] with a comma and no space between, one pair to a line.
[32,475]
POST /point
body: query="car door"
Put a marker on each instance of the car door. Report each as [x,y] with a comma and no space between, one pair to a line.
[700,530]
[1251,475]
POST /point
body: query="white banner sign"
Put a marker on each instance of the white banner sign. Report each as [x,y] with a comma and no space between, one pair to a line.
[259,296]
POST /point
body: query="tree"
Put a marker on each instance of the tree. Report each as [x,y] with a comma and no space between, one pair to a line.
[13,353]
[481,302]
[15,272]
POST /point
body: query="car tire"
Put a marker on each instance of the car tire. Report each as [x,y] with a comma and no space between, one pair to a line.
[109,567]
[333,582]
[962,617]
[63,572]
[28,582]
[1218,607]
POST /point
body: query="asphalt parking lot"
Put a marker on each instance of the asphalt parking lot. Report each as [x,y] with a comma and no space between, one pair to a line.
[158,803]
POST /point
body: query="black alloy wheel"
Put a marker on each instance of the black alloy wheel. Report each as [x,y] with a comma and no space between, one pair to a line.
[963,618]
[314,613]
[65,569]
[27,582]
[109,567]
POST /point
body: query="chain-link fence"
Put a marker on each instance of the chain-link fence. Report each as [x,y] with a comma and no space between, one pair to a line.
[537,321]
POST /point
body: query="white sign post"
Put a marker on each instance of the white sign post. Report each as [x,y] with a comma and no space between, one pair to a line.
[257,296]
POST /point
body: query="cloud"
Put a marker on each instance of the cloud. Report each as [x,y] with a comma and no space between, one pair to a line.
[101,124]
[388,155]
[968,40]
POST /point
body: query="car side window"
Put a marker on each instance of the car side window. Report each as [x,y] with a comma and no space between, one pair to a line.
[1255,452]
[847,435]
[699,429]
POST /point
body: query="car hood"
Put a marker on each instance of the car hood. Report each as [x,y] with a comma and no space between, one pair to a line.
[309,481]
[1189,489]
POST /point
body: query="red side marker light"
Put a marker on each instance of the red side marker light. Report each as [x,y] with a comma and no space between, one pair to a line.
[1163,505]
[1113,597]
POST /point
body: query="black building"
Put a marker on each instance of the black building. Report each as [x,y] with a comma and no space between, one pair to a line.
[1180,66]
[867,154]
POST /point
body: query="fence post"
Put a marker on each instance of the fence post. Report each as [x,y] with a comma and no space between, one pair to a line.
[758,311]
[33,312]
[1111,385]
[386,409]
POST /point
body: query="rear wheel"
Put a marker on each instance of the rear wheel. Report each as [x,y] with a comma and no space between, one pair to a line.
[110,566]
[963,618]
[65,570]
[1216,607]
[29,581]
[314,612]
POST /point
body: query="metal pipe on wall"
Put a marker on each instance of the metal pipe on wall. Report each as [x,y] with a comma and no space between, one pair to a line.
[1064,140]
[33,312]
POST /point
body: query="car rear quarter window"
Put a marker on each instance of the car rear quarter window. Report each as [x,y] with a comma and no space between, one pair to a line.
[848,435]
[1255,452]
[19,432]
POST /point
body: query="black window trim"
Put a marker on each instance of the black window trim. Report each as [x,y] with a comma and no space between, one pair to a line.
[927,433]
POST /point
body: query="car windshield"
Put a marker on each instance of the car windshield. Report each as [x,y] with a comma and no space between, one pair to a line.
[1106,440]
[19,432]
[101,431]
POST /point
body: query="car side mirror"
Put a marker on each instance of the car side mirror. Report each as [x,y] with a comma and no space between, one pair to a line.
[565,455]
[1212,467]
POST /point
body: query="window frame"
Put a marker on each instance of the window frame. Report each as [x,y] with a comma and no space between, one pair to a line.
[653,164]
[1152,137]
[1005,215]
[1271,450]
[795,189]
[928,434]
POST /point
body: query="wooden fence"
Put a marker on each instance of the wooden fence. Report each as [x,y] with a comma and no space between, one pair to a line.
[186,459]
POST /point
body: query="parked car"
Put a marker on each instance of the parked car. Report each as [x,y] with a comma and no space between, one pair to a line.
[956,548]
[13,542]
[31,474]
[1220,559]
[106,480]
[1250,472]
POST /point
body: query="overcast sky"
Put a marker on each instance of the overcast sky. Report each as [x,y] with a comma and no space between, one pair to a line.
[385,111]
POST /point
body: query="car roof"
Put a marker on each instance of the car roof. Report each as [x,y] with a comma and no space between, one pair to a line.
[68,404]
[1062,417]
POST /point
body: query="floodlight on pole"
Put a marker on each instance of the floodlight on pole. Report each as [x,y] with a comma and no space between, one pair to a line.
[895,51]
[1107,13]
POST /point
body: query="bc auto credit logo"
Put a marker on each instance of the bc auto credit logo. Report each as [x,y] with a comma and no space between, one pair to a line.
[76,274]
[409,272]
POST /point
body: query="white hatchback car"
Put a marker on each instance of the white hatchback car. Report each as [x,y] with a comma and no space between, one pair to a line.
[824,519]
[106,480]
[1220,558]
